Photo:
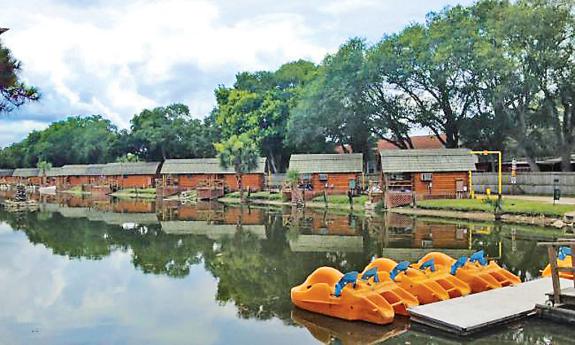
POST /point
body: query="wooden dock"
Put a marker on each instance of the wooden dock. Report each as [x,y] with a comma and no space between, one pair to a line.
[485,310]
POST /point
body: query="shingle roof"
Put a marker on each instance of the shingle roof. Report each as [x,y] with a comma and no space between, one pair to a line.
[54,172]
[26,172]
[326,163]
[6,172]
[398,161]
[203,166]
[136,168]
[73,170]
[95,169]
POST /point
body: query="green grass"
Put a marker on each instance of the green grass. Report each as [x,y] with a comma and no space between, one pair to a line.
[342,199]
[77,190]
[144,193]
[257,196]
[510,205]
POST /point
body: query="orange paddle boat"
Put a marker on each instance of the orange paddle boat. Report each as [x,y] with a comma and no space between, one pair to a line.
[475,270]
[564,259]
[327,291]
[425,283]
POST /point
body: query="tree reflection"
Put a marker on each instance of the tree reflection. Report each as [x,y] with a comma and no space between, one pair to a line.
[257,255]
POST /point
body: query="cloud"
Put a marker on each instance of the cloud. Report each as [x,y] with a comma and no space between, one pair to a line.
[11,129]
[117,57]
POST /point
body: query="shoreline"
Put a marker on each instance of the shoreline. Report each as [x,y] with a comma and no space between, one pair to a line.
[544,221]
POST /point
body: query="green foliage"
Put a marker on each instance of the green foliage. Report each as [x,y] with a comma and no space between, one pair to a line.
[13,92]
[44,167]
[238,153]
[331,109]
[170,132]
[76,140]
[292,176]
[259,105]
[128,158]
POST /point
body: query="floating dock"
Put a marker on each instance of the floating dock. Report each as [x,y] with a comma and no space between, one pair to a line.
[485,310]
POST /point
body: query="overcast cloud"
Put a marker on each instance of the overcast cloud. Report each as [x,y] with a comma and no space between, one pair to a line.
[117,57]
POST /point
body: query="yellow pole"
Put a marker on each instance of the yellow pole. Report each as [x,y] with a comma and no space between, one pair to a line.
[499,174]
[471,191]
[499,169]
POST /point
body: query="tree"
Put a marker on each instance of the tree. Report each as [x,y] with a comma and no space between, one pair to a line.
[332,107]
[13,92]
[259,105]
[75,140]
[169,132]
[526,69]
[128,158]
[240,153]
[430,67]
[44,167]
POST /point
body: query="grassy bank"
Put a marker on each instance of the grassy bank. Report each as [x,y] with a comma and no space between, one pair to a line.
[510,206]
[141,193]
[257,196]
[77,190]
[339,202]
[359,200]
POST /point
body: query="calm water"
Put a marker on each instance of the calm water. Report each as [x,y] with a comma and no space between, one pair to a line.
[86,271]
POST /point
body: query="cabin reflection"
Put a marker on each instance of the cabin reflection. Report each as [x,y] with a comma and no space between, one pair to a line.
[320,231]
[213,220]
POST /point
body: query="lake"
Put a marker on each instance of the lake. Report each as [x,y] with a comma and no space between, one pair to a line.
[108,271]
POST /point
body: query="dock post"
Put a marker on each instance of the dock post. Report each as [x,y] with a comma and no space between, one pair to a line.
[554,274]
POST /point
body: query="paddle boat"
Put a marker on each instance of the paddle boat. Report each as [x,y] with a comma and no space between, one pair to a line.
[476,271]
[328,291]
[423,281]
[564,259]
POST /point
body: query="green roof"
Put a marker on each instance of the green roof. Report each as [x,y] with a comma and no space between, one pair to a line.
[54,172]
[6,172]
[136,168]
[26,172]
[327,163]
[437,160]
[202,166]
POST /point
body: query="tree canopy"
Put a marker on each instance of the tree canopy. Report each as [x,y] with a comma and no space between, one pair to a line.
[493,75]
[13,92]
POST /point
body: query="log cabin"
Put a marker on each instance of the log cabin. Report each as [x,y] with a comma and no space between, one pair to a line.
[427,174]
[335,173]
[6,176]
[27,176]
[131,175]
[186,174]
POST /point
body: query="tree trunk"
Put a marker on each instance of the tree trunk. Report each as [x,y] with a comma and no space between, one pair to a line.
[532,163]
[240,187]
[566,160]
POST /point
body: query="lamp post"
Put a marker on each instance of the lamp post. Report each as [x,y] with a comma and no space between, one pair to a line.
[3,30]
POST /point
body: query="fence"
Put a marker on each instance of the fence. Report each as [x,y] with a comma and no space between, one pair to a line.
[536,183]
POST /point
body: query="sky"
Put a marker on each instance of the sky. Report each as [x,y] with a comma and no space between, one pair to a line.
[118,57]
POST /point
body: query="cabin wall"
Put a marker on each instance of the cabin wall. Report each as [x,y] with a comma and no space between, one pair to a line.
[8,180]
[442,183]
[132,181]
[254,181]
[77,180]
[337,183]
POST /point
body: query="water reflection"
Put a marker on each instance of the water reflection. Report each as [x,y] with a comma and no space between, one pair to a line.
[244,258]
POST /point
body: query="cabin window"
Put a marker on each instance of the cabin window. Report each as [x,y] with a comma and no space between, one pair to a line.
[426,177]
[323,177]
[306,177]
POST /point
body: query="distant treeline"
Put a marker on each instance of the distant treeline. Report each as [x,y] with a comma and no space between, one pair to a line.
[497,75]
